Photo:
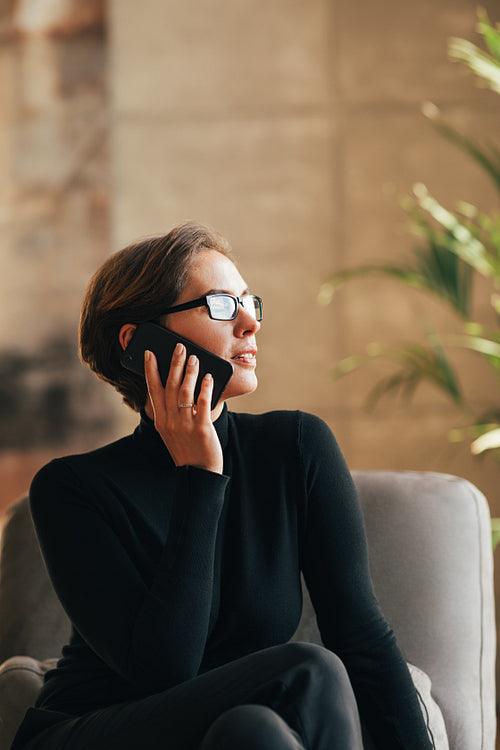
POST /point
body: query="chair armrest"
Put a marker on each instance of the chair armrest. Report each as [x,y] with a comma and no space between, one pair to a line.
[32,619]
[21,678]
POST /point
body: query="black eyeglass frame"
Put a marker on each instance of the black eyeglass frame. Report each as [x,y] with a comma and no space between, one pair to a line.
[203,301]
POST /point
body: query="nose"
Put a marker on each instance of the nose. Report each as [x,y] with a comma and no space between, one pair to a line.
[245,323]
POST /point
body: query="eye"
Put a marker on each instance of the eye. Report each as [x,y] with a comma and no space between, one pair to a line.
[222,306]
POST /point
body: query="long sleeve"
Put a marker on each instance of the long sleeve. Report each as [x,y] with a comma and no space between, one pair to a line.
[166,573]
[151,632]
[336,569]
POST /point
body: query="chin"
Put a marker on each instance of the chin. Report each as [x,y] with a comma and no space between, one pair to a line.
[240,389]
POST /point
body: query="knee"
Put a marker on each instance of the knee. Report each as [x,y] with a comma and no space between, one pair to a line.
[248,727]
[319,660]
[322,682]
[321,672]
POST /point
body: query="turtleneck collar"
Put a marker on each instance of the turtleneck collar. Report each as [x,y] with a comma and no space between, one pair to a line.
[147,434]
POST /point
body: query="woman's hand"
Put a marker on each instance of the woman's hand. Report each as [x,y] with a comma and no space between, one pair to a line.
[188,432]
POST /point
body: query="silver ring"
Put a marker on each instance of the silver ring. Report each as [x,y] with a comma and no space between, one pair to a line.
[186,406]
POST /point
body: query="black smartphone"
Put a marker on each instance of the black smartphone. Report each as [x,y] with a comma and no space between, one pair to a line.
[162,342]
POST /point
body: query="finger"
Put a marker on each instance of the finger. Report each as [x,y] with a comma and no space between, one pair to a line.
[175,375]
[204,403]
[186,391]
[153,381]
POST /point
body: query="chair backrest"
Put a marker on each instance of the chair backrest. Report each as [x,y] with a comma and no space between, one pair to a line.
[429,539]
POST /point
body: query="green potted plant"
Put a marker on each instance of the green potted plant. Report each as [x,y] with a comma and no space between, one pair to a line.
[453,248]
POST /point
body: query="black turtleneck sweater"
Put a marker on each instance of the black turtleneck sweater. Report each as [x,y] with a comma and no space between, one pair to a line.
[167,572]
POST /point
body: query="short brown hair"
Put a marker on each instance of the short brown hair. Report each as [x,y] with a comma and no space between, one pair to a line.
[135,285]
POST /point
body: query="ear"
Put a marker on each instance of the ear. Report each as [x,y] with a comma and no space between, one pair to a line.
[125,334]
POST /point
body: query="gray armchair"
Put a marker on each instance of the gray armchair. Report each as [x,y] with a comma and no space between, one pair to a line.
[430,552]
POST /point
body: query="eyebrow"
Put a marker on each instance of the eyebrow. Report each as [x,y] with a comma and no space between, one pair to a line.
[246,290]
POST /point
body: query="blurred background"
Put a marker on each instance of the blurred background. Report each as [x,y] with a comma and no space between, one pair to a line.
[292,127]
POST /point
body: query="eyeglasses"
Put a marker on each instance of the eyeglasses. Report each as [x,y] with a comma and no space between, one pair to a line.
[223,306]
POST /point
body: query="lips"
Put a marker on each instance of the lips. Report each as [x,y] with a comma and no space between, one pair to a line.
[246,356]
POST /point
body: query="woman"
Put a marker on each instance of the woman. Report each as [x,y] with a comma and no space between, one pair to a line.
[177,551]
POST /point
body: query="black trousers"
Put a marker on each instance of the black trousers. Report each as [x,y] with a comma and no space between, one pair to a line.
[283,698]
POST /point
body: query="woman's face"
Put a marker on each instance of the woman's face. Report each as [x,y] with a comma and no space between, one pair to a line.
[233,340]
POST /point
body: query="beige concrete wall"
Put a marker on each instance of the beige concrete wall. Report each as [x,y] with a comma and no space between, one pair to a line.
[54,228]
[291,127]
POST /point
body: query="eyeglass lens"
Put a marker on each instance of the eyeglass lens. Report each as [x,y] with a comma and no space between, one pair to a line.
[225,306]
[222,306]
[251,304]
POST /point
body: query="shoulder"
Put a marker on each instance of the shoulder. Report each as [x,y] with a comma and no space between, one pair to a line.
[78,469]
[283,426]
[268,424]
[116,450]
[277,419]
[269,420]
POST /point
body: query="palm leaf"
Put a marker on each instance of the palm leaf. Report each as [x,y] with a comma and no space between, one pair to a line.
[467,244]
[486,347]
[416,362]
[484,227]
[490,34]
[495,532]
[487,156]
[328,288]
[489,440]
[434,268]
[445,273]
[404,382]
[486,66]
